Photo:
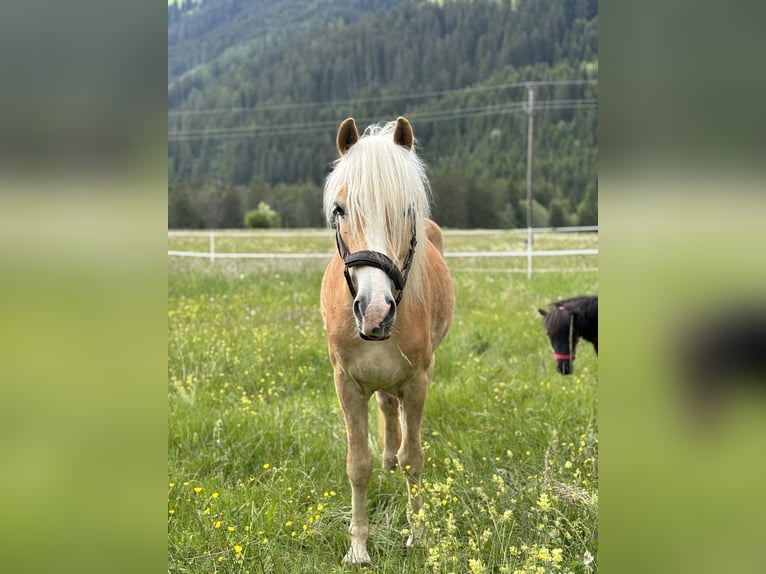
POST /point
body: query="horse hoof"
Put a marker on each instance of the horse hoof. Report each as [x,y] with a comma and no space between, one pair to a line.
[407,549]
[363,564]
[351,559]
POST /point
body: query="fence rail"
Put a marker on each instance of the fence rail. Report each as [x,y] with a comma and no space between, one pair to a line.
[323,232]
[529,253]
[448,254]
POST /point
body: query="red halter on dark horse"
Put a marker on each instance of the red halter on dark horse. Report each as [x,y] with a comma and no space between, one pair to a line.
[565,323]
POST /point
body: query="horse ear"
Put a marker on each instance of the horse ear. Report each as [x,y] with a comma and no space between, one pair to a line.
[347,135]
[403,133]
[543,313]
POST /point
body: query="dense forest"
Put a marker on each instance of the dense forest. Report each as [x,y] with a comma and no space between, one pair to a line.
[256,91]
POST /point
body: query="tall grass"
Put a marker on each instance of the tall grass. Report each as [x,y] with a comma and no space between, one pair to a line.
[256,453]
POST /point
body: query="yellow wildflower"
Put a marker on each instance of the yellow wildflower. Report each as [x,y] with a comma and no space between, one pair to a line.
[543,502]
[543,554]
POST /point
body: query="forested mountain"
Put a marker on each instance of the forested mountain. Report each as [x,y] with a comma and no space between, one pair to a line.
[256,91]
[199,31]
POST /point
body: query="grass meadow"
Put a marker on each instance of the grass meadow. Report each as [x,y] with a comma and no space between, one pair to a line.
[256,445]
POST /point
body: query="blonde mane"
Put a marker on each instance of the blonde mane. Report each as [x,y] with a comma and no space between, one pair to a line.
[386,185]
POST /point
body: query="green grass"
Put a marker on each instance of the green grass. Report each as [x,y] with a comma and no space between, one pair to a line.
[256,452]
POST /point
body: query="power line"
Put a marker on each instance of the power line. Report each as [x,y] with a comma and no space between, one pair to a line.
[359,101]
[421,117]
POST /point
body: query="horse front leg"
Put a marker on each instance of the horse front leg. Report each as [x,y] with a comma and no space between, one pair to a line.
[411,453]
[353,402]
[391,431]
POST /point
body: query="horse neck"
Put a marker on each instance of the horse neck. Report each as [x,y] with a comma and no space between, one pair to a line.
[586,326]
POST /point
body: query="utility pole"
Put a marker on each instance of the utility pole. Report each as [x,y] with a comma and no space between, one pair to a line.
[530,132]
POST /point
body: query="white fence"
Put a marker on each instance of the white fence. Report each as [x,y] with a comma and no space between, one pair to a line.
[529,253]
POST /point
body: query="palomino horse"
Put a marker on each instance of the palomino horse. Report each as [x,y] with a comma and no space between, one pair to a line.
[387,302]
[567,321]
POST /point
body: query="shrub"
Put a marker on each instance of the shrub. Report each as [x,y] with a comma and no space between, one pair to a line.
[262,217]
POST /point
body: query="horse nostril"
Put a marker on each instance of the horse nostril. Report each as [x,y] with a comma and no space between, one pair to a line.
[392,309]
[358,311]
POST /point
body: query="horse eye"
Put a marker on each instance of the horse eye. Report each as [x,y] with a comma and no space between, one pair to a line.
[337,211]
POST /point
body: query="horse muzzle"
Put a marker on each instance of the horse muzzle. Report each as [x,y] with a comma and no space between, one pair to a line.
[374,318]
[564,366]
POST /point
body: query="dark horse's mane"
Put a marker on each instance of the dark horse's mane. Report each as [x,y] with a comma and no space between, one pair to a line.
[585,311]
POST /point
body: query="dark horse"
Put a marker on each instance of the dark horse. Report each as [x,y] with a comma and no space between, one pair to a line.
[567,321]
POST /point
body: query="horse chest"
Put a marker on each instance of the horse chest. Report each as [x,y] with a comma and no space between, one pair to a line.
[380,367]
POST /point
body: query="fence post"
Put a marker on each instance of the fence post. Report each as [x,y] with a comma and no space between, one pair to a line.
[212,247]
[529,253]
[530,109]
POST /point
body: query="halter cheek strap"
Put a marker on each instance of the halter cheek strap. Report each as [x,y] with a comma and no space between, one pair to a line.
[568,356]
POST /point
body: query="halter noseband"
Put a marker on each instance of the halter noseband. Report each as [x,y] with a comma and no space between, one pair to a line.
[376,259]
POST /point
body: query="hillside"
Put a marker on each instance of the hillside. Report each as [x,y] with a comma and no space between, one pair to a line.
[255,96]
[200,32]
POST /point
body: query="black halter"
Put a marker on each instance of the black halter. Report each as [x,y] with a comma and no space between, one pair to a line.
[376,259]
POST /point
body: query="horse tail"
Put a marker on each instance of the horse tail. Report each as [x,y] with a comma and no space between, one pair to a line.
[434,234]
[389,428]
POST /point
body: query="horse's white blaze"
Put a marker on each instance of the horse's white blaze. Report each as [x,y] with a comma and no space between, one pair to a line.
[374,287]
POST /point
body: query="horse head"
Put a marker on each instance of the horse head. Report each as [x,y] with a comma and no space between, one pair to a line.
[559,325]
[376,220]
